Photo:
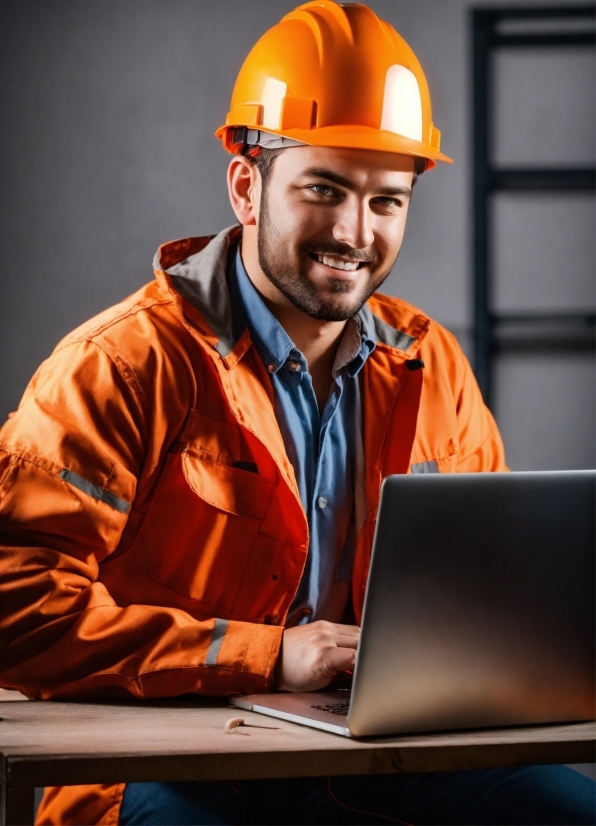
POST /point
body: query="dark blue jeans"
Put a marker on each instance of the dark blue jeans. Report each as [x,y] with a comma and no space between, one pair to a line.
[530,795]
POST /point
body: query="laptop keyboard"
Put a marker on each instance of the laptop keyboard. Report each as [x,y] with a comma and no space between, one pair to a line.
[334,708]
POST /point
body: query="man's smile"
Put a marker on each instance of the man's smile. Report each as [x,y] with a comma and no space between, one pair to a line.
[337,264]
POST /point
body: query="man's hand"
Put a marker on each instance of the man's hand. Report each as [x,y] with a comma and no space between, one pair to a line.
[312,655]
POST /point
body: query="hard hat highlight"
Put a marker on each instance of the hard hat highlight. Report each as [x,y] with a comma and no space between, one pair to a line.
[333,75]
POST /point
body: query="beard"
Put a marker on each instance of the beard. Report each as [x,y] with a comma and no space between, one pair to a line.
[294,283]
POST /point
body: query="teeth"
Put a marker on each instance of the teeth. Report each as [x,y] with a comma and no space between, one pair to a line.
[337,263]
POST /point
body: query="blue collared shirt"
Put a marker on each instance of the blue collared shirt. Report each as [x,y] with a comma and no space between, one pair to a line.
[322,447]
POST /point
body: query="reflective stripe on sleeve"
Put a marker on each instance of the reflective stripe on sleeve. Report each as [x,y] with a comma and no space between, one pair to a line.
[219,632]
[94,491]
[425,467]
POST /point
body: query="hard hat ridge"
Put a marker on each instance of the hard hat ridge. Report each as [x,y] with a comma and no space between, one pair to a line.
[333,75]
[318,14]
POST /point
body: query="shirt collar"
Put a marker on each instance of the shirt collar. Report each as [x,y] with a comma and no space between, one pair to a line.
[274,345]
[356,345]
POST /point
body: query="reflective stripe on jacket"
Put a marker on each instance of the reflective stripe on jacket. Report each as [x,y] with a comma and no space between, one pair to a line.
[141,555]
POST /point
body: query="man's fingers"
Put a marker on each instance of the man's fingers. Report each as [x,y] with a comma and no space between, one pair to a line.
[342,635]
[339,660]
[313,654]
[346,636]
[348,630]
[346,642]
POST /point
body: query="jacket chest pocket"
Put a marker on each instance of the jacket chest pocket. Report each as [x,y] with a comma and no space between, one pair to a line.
[205,516]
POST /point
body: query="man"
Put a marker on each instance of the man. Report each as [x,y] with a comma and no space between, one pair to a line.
[189,488]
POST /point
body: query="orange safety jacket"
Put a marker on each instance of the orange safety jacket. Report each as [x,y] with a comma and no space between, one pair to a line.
[137,556]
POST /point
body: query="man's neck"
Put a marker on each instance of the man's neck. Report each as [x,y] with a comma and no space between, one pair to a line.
[317,341]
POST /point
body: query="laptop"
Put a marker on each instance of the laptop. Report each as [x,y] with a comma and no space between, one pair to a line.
[479,610]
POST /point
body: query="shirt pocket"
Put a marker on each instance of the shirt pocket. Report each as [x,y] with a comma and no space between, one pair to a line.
[205,516]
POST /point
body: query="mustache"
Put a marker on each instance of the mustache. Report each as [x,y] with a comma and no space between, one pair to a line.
[337,248]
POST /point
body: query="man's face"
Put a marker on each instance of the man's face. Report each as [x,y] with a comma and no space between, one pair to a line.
[331,224]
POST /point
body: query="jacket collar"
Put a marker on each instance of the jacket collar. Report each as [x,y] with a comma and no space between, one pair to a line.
[194,270]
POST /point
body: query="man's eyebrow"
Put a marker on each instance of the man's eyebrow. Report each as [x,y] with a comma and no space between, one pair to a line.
[396,190]
[328,175]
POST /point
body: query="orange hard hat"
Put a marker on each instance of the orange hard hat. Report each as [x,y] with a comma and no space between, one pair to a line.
[333,75]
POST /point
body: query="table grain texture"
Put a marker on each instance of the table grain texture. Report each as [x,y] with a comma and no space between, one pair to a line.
[51,743]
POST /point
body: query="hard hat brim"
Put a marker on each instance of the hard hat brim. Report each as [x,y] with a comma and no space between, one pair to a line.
[354,137]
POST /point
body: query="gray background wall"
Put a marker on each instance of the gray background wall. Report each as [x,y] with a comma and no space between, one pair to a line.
[107,150]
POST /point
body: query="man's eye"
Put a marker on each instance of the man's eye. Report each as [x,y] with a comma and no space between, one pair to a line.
[322,189]
[391,203]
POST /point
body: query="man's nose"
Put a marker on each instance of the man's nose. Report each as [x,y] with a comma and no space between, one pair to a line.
[353,226]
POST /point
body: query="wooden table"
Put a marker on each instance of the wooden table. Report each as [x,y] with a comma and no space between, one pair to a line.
[49,744]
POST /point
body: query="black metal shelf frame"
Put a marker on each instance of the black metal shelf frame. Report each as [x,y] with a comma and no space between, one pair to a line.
[494,332]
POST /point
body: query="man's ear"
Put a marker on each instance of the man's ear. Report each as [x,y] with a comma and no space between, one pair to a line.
[244,189]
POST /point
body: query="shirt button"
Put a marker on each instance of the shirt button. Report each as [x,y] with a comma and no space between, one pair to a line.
[271,368]
[322,502]
[294,365]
